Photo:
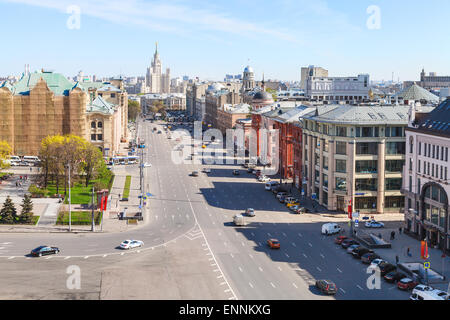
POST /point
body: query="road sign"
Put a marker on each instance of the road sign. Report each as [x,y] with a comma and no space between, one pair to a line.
[427,265]
[314,196]
[303,192]
[359,194]
[356,222]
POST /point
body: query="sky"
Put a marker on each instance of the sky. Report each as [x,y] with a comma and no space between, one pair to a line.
[208,39]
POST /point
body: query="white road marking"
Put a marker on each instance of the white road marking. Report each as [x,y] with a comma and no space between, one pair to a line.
[287,255]
[222,283]
[250,284]
[359,287]
[272,284]
[105,255]
[300,235]
[322,256]
[294,285]
[221,276]
[309,243]
[284,234]
[339,270]
[342,290]
[88,256]
[319,269]
[305,255]
[279,268]
[260,269]
[293,244]
[11,258]
[250,255]
[240,269]
[243,244]
[215,270]
[252,234]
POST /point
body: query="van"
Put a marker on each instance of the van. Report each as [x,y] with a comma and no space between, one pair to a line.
[14,158]
[239,220]
[429,295]
[331,228]
[30,159]
[271,184]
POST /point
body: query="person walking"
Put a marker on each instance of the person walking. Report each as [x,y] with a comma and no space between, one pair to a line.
[31,169]
[408,253]
[400,230]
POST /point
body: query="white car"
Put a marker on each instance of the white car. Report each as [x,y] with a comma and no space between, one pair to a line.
[250,212]
[376,262]
[147,164]
[130,244]
[374,224]
[264,179]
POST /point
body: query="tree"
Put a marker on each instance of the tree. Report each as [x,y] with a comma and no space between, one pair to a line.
[92,161]
[5,151]
[8,213]
[134,109]
[27,210]
[273,93]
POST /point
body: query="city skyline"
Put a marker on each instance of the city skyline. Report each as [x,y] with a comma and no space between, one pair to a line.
[210,40]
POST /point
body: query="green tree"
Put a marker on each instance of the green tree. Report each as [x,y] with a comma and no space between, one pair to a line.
[92,161]
[273,93]
[8,213]
[27,210]
[134,109]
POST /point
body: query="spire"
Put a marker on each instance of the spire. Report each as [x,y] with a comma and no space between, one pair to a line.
[156,51]
[263,86]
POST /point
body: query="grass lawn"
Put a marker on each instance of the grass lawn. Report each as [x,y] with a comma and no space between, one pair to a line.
[79,193]
[80,218]
[33,222]
[126,188]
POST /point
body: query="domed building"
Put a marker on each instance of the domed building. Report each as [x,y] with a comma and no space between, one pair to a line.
[248,80]
[262,98]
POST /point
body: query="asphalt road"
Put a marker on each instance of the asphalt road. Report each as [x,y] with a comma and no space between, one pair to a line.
[184,207]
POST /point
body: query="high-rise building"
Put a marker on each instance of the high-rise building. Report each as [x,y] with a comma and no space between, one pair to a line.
[311,71]
[157,81]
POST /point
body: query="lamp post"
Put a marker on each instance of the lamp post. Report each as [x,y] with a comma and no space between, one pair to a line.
[70,201]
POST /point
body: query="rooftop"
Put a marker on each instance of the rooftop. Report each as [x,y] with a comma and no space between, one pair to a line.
[438,120]
[417,93]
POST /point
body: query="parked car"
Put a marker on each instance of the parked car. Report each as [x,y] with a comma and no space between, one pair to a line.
[348,242]
[273,244]
[359,252]
[294,208]
[281,193]
[330,228]
[194,173]
[207,170]
[407,284]
[394,276]
[430,295]
[236,172]
[293,203]
[386,267]
[369,257]
[130,244]
[250,212]
[302,210]
[374,224]
[326,286]
[353,247]
[339,239]
[270,185]
[377,262]
[239,220]
[44,250]
[289,199]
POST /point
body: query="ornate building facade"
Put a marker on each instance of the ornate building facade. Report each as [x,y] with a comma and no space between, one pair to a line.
[157,81]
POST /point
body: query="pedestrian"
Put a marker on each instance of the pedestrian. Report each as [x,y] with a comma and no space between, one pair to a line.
[379,236]
[408,253]
[20,177]
[392,235]
[31,169]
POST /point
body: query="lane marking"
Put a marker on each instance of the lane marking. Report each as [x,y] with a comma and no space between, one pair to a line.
[240,269]
[272,284]
[309,243]
[287,255]
[322,256]
[342,290]
[300,235]
[319,269]
[339,270]
[305,255]
[260,269]
[250,284]
[294,285]
[359,287]
[293,244]
[279,268]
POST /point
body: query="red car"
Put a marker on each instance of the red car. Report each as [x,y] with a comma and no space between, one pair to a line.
[407,284]
[339,239]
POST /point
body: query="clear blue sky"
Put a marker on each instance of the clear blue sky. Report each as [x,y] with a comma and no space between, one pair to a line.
[211,38]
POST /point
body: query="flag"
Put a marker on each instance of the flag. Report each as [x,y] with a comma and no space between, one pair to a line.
[106,201]
[350,211]
[424,250]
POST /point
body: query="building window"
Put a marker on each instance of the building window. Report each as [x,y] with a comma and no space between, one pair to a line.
[341,184]
[341,166]
[341,131]
[434,151]
[394,132]
[393,184]
[410,184]
[395,147]
[341,147]
[362,203]
[394,202]
[93,136]
[100,124]
[437,152]
[113,95]
[420,148]
[366,166]
[325,145]
[418,186]
[394,165]
[325,163]
[367,148]
[446,154]
[324,197]
[317,176]
[418,166]
[367,132]
[325,180]
[411,145]
[366,184]
[99,137]
[93,126]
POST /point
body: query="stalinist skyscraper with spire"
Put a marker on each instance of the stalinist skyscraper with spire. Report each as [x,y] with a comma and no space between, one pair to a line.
[157,81]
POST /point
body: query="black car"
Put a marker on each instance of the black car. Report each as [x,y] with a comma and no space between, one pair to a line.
[348,242]
[360,251]
[326,286]
[194,173]
[44,250]
[236,172]
[394,276]
[367,258]
[386,268]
